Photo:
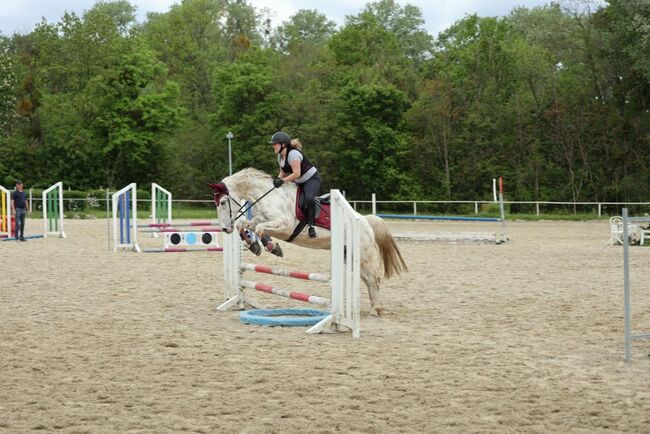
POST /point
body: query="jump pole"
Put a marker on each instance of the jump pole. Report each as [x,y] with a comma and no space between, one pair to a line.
[182,250]
[287,293]
[171,230]
[433,217]
[53,211]
[179,225]
[318,277]
[27,237]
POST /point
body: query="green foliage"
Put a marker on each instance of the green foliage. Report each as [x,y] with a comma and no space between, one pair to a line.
[554,98]
[8,86]
[373,144]
[246,105]
[135,106]
[305,27]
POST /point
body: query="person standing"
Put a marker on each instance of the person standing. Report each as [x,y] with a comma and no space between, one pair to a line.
[294,166]
[19,208]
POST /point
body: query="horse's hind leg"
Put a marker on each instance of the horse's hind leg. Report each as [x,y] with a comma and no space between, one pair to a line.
[372,283]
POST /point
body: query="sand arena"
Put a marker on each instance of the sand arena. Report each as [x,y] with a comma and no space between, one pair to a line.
[523,337]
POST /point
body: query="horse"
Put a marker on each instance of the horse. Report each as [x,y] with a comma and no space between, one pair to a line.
[275,216]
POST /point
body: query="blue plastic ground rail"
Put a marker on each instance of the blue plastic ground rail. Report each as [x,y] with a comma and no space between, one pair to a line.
[27,237]
[283,317]
[433,217]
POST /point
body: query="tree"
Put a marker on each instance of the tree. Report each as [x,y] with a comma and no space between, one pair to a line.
[190,39]
[305,27]
[135,107]
[384,43]
[242,27]
[373,144]
[8,85]
[406,23]
[433,119]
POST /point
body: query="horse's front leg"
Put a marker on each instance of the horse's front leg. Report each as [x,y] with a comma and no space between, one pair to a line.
[246,234]
[271,227]
[247,237]
[272,247]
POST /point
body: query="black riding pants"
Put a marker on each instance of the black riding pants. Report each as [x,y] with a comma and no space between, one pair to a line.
[311,188]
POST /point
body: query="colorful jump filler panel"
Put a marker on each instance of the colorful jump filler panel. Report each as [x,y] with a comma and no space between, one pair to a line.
[5,213]
[191,239]
[125,219]
[185,237]
[161,206]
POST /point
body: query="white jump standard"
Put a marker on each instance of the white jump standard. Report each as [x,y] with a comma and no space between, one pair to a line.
[53,211]
[161,205]
[344,303]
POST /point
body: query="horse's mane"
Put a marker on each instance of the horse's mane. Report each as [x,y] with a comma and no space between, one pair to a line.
[243,182]
[246,174]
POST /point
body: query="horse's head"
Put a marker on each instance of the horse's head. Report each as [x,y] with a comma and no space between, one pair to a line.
[227,207]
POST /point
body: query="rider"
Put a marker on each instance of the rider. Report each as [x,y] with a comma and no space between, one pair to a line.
[294,166]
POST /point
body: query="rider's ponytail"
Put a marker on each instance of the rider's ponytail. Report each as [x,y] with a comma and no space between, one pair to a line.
[295,144]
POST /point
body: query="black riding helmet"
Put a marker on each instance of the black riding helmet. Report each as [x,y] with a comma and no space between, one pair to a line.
[280,137]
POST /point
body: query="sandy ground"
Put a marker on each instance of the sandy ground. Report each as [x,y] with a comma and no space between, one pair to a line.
[521,337]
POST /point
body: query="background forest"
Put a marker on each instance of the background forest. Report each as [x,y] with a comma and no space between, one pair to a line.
[554,99]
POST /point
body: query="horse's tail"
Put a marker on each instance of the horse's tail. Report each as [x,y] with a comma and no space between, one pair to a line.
[391,257]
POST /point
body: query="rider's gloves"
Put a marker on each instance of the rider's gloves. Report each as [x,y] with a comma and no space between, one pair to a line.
[277,182]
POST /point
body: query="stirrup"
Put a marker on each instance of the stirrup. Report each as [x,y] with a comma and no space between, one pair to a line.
[312,232]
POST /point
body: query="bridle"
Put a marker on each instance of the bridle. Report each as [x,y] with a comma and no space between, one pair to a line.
[221,190]
[230,210]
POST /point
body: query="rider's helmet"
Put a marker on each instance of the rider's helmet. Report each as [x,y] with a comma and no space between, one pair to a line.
[280,137]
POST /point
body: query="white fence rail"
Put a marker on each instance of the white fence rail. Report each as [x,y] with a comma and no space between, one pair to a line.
[478,203]
[415,206]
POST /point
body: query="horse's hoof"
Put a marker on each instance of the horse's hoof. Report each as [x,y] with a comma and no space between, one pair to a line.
[380,311]
[277,251]
[256,248]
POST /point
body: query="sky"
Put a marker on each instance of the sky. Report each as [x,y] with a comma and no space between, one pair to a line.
[21,15]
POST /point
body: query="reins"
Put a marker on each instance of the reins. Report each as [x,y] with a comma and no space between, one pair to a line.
[243,212]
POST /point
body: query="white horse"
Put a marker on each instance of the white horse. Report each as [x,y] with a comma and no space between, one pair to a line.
[275,216]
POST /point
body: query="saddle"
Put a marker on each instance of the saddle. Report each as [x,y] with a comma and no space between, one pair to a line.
[322,213]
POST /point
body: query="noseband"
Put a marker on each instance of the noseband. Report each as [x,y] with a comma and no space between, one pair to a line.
[221,190]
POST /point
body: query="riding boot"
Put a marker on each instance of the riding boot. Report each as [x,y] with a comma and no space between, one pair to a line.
[311,212]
